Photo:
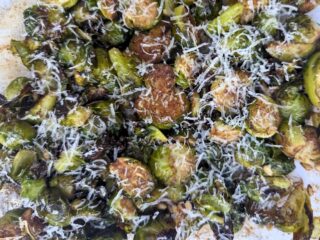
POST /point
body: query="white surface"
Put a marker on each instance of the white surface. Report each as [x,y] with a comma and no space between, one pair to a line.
[10,67]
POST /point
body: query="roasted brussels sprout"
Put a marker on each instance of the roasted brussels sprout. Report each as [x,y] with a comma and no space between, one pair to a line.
[114,34]
[299,142]
[134,178]
[229,16]
[33,189]
[141,14]
[293,103]
[123,207]
[77,117]
[108,8]
[15,87]
[173,164]
[41,109]
[264,118]
[311,75]
[155,229]
[153,46]
[22,163]
[14,134]
[252,155]
[68,160]
[125,68]
[223,133]
[185,68]
[228,92]
[160,78]
[210,203]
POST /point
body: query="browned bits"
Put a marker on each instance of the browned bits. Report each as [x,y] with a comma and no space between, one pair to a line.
[133,176]
[161,78]
[162,108]
[153,46]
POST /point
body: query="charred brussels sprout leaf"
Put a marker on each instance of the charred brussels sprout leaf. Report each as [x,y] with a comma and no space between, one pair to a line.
[68,160]
[77,117]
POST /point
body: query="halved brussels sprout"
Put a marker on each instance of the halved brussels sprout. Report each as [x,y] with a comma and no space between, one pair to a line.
[299,142]
[14,134]
[75,55]
[223,133]
[185,68]
[153,46]
[68,160]
[114,34]
[229,92]
[22,163]
[134,177]
[107,111]
[293,103]
[160,78]
[173,164]
[15,87]
[123,207]
[77,117]
[156,229]
[108,8]
[125,68]
[210,203]
[264,117]
[141,14]
[43,106]
[229,16]
[163,110]
[41,22]
[311,76]
[64,184]
[288,52]
[33,189]
[63,3]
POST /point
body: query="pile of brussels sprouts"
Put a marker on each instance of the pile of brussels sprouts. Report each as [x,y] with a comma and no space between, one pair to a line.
[160,119]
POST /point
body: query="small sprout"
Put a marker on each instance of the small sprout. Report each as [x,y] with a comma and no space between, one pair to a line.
[311,76]
[68,160]
[160,228]
[108,112]
[288,52]
[125,68]
[141,14]
[77,117]
[173,164]
[33,189]
[153,46]
[22,163]
[115,34]
[185,68]
[264,118]
[228,92]
[299,142]
[75,55]
[123,207]
[14,134]
[43,106]
[15,87]
[268,24]
[209,204]
[134,177]
[63,3]
[280,182]
[229,16]
[293,103]
[64,184]
[108,8]
[223,133]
